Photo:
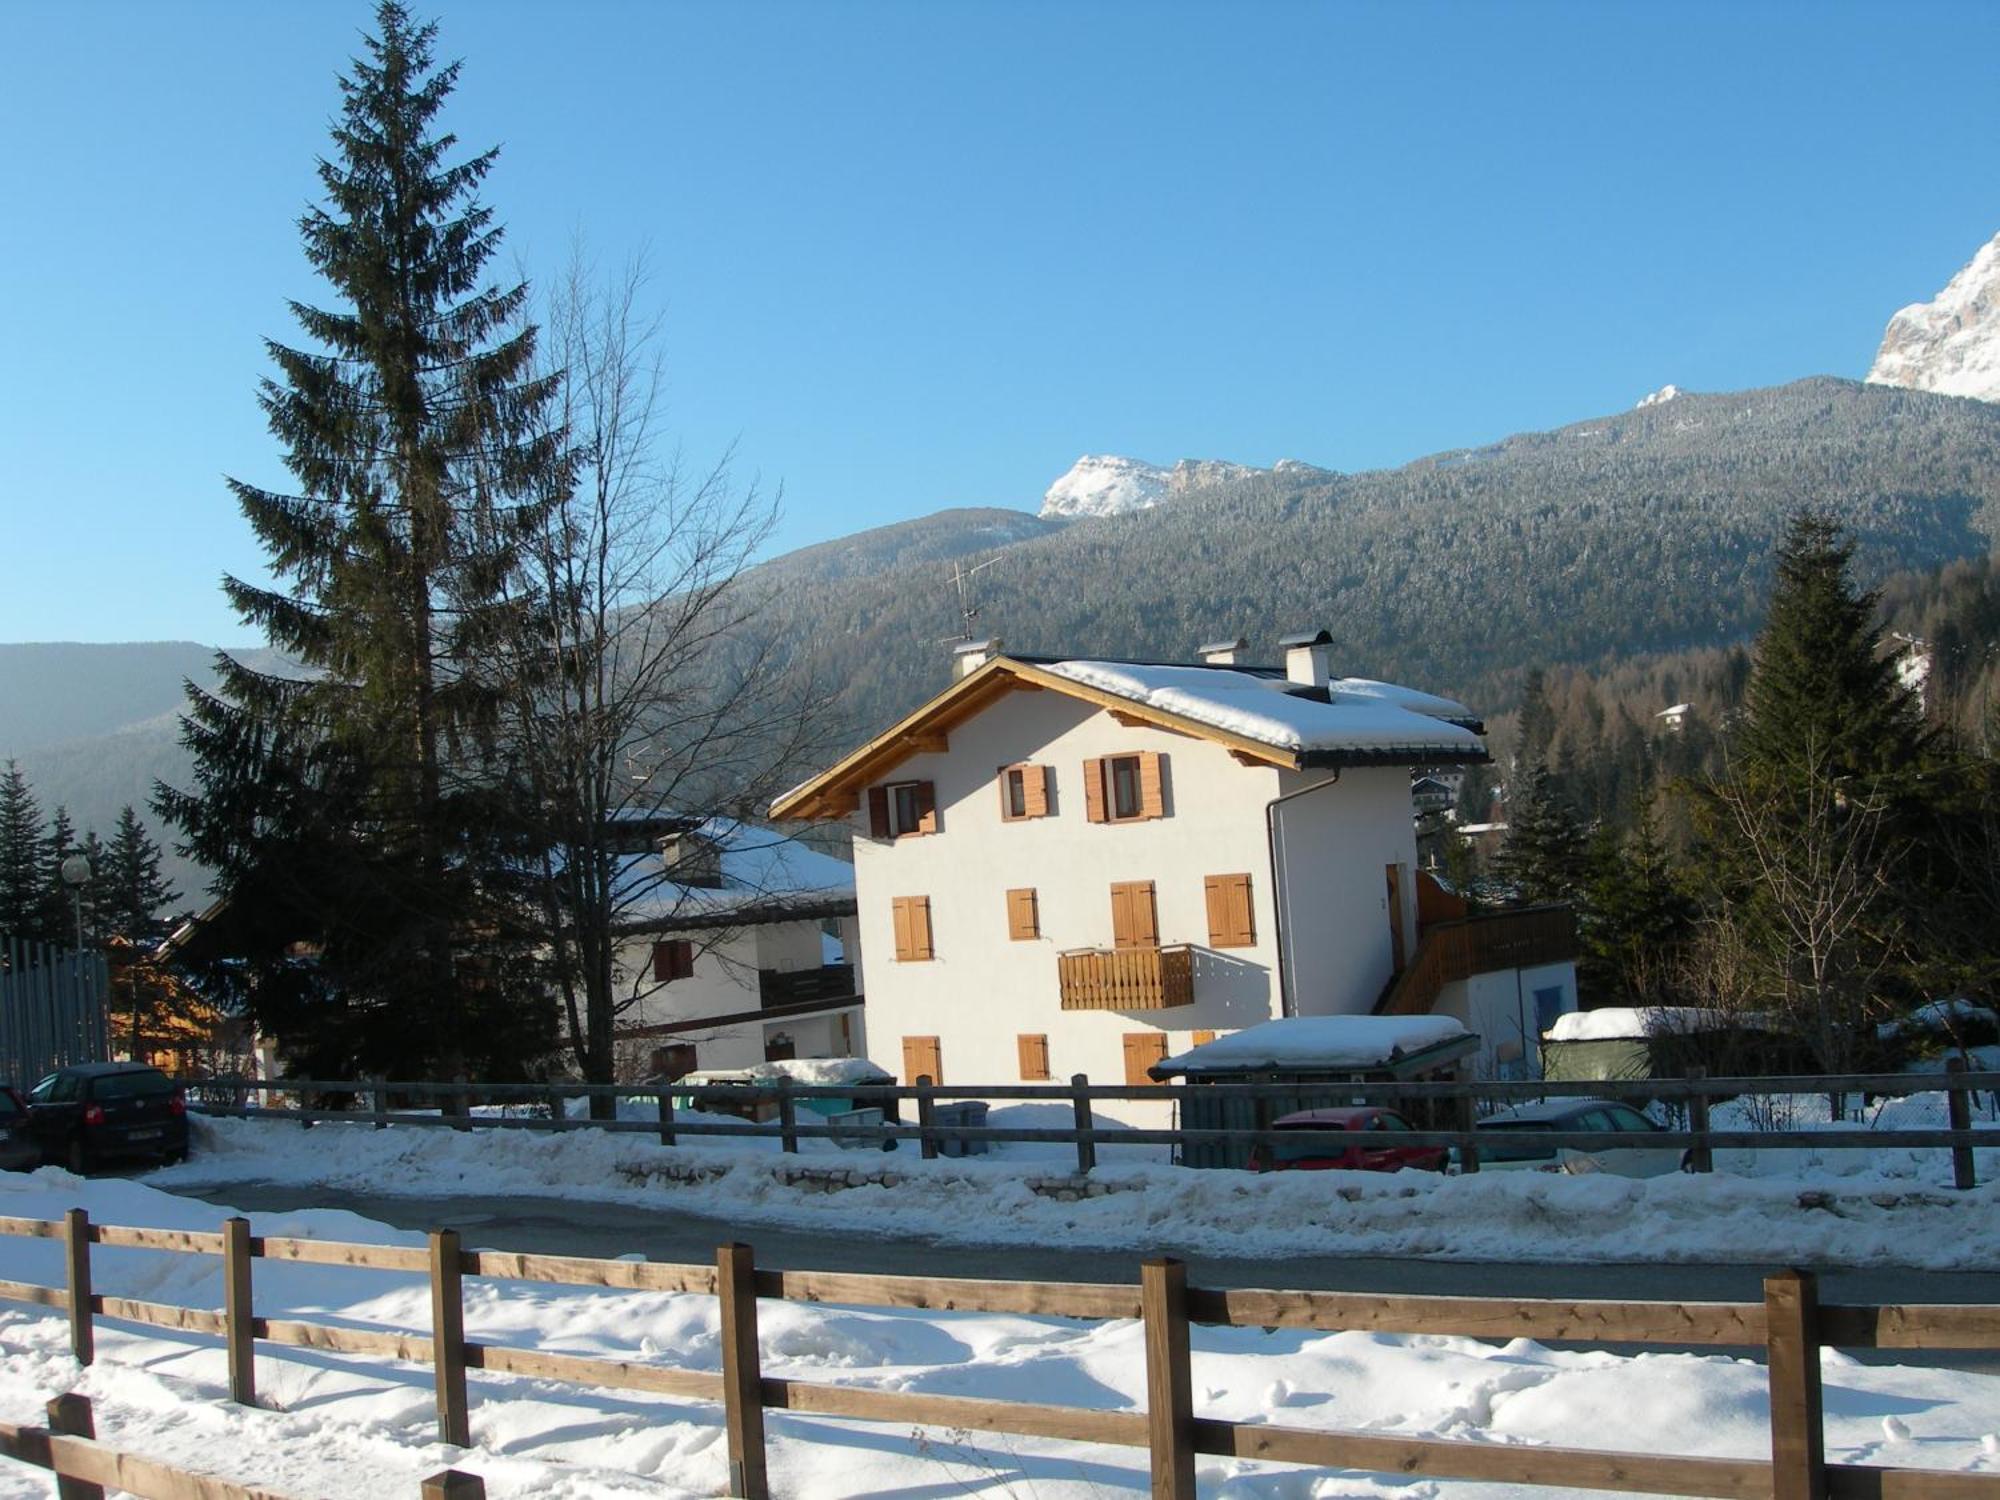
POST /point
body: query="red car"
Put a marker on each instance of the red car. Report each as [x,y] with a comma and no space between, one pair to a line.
[1375,1148]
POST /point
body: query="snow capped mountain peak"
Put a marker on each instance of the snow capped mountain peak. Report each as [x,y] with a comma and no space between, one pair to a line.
[1660,397]
[1950,344]
[1102,484]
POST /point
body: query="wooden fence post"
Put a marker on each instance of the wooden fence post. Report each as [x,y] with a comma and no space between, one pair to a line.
[239,1321]
[453,1484]
[1701,1157]
[926,1118]
[459,1105]
[558,1109]
[379,1096]
[1086,1149]
[788,1116]
[448,1338]
[666,1114]
[76,1256]
[1169,1378]
[1798,1434]
[1462,1119]
[71,1416]
[742,1372]
[1959,1106]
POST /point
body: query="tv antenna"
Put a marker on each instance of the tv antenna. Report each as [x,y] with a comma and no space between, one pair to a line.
[961,578]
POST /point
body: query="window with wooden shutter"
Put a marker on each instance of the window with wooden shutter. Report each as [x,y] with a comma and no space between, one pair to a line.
[1093,792]
[1229,915]
[1152,784]
[1024,792]
[902,808]
[1024,918]
[1126,788]
[878,812]
[912,915]
[1034,1057]
[1142,1050]
[672,959]
[1134,918]
[922,1058]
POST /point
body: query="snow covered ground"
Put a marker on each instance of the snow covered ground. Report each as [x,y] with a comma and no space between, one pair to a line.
[1838,1207]
[331,1426]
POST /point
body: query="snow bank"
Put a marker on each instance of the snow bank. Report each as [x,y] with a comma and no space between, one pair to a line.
[1617,1023]
[1859,1208]
[331,1426]
[1294,1043]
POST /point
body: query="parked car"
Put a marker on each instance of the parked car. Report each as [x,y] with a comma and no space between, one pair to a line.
[94,1112]
[18,1150]
[1375,1148]
[1640,1159]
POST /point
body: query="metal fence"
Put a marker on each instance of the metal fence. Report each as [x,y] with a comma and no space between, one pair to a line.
[52,1009]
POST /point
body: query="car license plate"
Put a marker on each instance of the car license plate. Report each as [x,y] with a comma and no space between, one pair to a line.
[145,1135]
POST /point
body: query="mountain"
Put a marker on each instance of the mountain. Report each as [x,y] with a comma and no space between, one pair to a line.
[1104,485]
[1952,343]
[928,539]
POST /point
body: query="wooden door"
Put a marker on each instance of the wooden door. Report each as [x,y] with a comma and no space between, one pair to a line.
[1397,957]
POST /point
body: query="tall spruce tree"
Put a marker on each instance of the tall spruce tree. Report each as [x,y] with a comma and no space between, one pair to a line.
[1544,856]
[23,903]
[362,807]
[132,895]
[62,907]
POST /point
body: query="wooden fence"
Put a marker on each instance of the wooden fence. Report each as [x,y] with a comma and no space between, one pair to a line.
[1456,1101]
[1790,1324]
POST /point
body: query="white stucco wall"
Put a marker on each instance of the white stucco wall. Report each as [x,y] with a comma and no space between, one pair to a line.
[1500,1006]
[983,989]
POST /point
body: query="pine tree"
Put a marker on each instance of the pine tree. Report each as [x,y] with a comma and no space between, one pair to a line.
[61,907]
[23,904]
[132,894]
[1635,915]
[1538,723]
[1543,858]
[1820,686]
[361,807]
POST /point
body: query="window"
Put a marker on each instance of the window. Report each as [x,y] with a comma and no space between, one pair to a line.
[1548,1007]
[1624,1118]
[1134,918]
[1024,918]
[901,809]
[922,1058]
[1024,792]
[673,1061]
[1034,1057]
[1229,920]
[912,916]
[1142,1050]
[1125,788]
[672,959]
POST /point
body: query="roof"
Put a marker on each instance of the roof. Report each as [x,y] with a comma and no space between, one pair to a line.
[1547,1109]
[1611,1023]
[1321,1044]
[767,876]
[1255,712]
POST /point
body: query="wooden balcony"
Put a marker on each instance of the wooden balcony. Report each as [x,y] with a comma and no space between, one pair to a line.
[1126,978]
[1460,948]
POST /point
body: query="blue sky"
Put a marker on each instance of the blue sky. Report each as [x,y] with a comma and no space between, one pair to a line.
[913,256]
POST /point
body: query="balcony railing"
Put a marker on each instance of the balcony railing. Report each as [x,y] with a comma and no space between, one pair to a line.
[1126,978]
[1485,944]
[829,982]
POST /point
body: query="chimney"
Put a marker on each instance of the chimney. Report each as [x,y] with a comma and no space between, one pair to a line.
[1308,657]
[969,656]
[1223,653]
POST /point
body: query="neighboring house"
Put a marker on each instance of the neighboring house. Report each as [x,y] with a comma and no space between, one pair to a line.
[1077,866]
[724,942]
[1673,720]
[1432,794]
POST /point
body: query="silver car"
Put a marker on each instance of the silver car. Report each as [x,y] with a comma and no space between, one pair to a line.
[1641,1159]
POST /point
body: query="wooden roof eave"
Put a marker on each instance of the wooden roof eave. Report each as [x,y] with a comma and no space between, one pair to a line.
[835,792]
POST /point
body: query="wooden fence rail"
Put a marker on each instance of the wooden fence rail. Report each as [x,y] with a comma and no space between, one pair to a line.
[1455,1099]
[1789,1323]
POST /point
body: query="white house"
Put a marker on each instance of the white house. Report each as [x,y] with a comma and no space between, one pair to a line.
[1078,866]
[725,950]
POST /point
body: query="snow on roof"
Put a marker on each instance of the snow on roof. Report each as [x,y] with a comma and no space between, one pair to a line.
[761,869]
[1618,1023]
[824,1071]
[1356,714]
[1315,1043]
[1678,708]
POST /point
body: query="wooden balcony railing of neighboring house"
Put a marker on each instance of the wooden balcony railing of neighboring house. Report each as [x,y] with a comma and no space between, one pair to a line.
[1149,978]
[1464,946]
[828,982]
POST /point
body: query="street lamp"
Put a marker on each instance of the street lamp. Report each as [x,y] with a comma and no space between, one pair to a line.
[76,875]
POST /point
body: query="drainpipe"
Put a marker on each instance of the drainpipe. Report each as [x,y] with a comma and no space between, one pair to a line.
[1279,891]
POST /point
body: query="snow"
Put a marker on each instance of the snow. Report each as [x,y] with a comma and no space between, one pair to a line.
[761,868]
[1617,1023]
[1105,485]
[1374,716]
[1660,397]
[1302,1042]
[1942,1018]
[809,1070]
[1950,344]
[339,1426]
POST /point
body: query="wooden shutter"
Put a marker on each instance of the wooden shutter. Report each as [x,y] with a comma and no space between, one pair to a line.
[1152,784]
[900,909]
[672,959]
[1034,1057]
[922,1058]
[878,812]
[1142,1050]
[1093,791]
[1203,1038]
[1035,789]
[1024,919]
[1229,919]
[1396,956]
[926,807]
[1134,919]
[913,928]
